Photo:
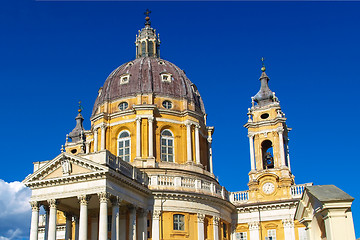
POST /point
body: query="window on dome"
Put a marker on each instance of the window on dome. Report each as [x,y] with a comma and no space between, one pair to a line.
[151,48]
[167,104]
[123,106]
[124,79]
[166,77]
[178,222]
[143,49]
[167,146]
[124,146]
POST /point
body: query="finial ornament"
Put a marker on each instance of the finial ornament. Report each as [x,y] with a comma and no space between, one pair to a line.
[263,65]
[147,18]
[80,107]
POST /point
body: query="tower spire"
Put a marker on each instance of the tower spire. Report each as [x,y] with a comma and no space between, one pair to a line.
[265,96]
[147,42]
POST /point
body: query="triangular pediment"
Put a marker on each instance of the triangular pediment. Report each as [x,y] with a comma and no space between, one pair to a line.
[65,165]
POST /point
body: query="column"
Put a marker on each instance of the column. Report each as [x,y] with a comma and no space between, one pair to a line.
[83,221]
[155,231]
[76,220]
[200,225]
[138,137]
[68,226]
[103,215]
[233,230]
[281,146]
[254,228]
[52,219]
[47,212]
[87,147]
[103,136]
[289,230]
[95,139]
[210,155]
[132,223]
[188,142]
[197,144]
[252,156]
[142,228]
[151,137]
[122,228]
[115,223]
[34,220]
[216,227]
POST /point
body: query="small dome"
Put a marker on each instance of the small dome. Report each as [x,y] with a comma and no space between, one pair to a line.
[146,75]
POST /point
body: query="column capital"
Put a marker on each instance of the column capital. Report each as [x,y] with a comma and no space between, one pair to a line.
[53,203]
[143,212]
[254,225]
[209,139]
[103,197]
[116,201]
[138,119]
[34,206]
[200,217]
[216,220]
[156,214]
[251,135]
[197,126]
[288,223]
[280,130]
[84,199]
[103,126]
[150,119]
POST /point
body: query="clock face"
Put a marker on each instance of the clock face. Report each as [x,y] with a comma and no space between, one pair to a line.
[268,188]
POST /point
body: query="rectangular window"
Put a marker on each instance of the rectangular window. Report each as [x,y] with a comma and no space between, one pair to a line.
[271,234]
[241,236]
[179,223]
[224,230]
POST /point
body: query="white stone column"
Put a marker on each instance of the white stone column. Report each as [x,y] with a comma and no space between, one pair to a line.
[68,226]
[254,228]
[34,220]
[197,144]
[122,228]
[83,221]
[103,136]
[95,139]
[289,230]
[216,227]
[210,155]
[281,146]
[188,143]
[132,223]
[87,147]
[115,223]
[233,231]
[252,154]
[103,215]
[76,219]
[200,226]
[151,137]
[52,219]
[138,137]
[155,231]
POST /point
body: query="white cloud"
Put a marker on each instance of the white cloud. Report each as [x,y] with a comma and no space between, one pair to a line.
[15,210]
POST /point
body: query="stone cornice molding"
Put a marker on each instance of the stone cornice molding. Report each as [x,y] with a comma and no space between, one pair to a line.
[266,206]
[265,123]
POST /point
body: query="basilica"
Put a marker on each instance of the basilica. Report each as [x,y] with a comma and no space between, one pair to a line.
[144,170]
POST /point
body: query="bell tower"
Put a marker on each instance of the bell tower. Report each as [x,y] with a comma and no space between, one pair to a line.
[270,176]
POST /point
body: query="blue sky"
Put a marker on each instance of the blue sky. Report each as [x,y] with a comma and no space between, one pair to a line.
[53,54]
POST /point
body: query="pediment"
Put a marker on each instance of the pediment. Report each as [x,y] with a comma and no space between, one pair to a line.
[65,165]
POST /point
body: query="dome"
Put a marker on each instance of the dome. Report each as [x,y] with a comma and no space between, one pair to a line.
[146,75]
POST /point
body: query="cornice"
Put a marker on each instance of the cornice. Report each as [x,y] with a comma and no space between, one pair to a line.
[264,123]
[265,206]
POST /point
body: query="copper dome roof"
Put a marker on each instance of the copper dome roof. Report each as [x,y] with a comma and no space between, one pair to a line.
[145,77]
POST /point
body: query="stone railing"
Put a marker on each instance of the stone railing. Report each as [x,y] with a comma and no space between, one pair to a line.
[191,184]
[239,197]
[297,190]
[126,169]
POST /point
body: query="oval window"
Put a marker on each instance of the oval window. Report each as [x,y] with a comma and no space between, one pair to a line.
[167,104]
[264,116]
[123,106]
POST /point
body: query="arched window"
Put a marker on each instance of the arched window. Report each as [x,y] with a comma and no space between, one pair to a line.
[143,49]
[124,146]
[178,222]
[267,154]
[151,48]
[167,146]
